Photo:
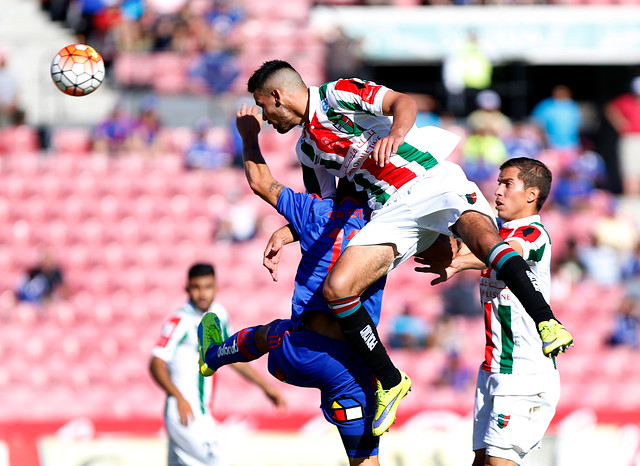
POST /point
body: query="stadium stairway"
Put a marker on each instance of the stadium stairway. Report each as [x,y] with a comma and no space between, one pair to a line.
[31,40]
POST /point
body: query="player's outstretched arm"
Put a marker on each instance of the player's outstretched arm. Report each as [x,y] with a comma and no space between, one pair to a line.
[404,109]
[261,181]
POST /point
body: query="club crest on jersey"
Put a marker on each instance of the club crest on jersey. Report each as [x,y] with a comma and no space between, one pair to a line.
[471,198]
[503,420]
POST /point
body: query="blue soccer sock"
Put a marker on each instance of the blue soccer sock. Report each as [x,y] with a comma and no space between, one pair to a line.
[239,347]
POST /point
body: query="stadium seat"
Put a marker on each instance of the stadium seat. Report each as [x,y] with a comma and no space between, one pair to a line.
[71,141]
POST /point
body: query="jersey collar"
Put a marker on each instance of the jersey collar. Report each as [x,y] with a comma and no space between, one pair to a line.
[519,222]
[314,101]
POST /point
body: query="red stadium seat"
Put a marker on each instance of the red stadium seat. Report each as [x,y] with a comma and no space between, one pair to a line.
[71,141]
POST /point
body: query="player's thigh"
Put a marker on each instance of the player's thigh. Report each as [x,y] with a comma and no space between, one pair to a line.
[195,444]
[357,268]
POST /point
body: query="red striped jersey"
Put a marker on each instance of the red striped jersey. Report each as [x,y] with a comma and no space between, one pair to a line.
[345,122]
[513,345]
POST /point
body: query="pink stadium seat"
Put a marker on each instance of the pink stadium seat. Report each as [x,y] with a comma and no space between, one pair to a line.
[134,69]
[172,77]
[71,141]
[19,140]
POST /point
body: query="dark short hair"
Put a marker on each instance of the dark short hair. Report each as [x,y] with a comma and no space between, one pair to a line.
[534,174]
[260,76]
[201,270]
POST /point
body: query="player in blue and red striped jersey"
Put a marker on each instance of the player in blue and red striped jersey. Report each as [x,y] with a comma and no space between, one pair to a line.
[309,349]
[518,387]
[366,132]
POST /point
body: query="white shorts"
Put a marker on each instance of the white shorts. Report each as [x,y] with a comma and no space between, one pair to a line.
[629,155]
[195,444]
[423,209]
[510,426]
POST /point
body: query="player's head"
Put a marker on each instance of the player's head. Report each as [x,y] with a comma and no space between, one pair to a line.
[201,285]
[278,89]
[523,187]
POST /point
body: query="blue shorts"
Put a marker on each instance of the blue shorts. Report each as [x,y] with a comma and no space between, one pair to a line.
[308,359]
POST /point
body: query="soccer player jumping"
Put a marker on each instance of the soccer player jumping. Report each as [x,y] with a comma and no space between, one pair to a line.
[366,132]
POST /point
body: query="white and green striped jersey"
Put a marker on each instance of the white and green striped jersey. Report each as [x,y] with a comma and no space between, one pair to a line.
[513,345]
[345,122]
[178,347]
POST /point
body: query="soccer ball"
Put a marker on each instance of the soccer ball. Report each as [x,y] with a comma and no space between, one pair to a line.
[77,70]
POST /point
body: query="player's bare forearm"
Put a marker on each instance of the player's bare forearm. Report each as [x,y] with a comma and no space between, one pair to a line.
[273,251]
[161,375]
[260,179]
[404,110]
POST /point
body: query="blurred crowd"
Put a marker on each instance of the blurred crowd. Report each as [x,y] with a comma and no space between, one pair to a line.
[595,241]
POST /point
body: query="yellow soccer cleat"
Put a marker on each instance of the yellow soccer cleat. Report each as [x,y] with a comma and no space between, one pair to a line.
[555,338]
[209,333]
[387,403]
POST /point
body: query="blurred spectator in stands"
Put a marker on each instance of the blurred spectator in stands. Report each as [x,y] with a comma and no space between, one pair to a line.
[408,330]
[206,154]
[577,182]
[144,138]
[113,135]
[559,117]
[631,264]
[466,71]
[240,220]
[428,110]
[455,373]
[344,55]
[488,117]
[626,324]
[214,71]
[623,113]
[43,282]
[524,140]
[9,88]
[601,263]
[461,297]
[566,272]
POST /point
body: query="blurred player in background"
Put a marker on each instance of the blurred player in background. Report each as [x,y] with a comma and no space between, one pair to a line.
[193,439]
[366,133]
[309,349]
[518,388]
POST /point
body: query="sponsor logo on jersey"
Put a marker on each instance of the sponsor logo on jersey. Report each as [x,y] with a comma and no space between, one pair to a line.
[325,105]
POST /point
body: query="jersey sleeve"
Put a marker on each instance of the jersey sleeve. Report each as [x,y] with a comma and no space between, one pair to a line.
[534,241]
[296,208]
[173,331]
[357,95]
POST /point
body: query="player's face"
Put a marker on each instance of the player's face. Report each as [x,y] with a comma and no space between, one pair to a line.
[202,291]
[276,113]
[512,199]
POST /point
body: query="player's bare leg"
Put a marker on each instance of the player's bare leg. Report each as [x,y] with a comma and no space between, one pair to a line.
[480,235]
[368,461]
[357,268]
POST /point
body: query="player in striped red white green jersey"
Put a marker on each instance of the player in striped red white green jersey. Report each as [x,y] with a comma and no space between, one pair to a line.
[518,387]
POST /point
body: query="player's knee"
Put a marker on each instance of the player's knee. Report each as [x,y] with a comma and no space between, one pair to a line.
[336,286]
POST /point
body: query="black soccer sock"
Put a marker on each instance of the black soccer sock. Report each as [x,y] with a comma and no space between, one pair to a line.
[360,331]
[511,268]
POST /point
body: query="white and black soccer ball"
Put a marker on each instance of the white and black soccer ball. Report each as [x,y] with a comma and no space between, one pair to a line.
[77,70]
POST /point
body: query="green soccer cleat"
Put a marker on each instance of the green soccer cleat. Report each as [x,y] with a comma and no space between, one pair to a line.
[209,333]
[387,403]
[555,338]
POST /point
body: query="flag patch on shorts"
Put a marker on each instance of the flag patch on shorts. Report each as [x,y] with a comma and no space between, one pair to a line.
[346,409]
[471,198]
[503,420]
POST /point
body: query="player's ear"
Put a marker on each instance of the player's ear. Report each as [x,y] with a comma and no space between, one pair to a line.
[534,193]
[277,95]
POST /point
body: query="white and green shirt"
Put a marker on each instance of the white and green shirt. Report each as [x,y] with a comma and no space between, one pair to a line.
[178,347]
[513,345]
[345,122]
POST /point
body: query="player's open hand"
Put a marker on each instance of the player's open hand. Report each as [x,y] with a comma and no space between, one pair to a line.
[384,148]
[248,121]
[272,254]
[444,272]
[184,411]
